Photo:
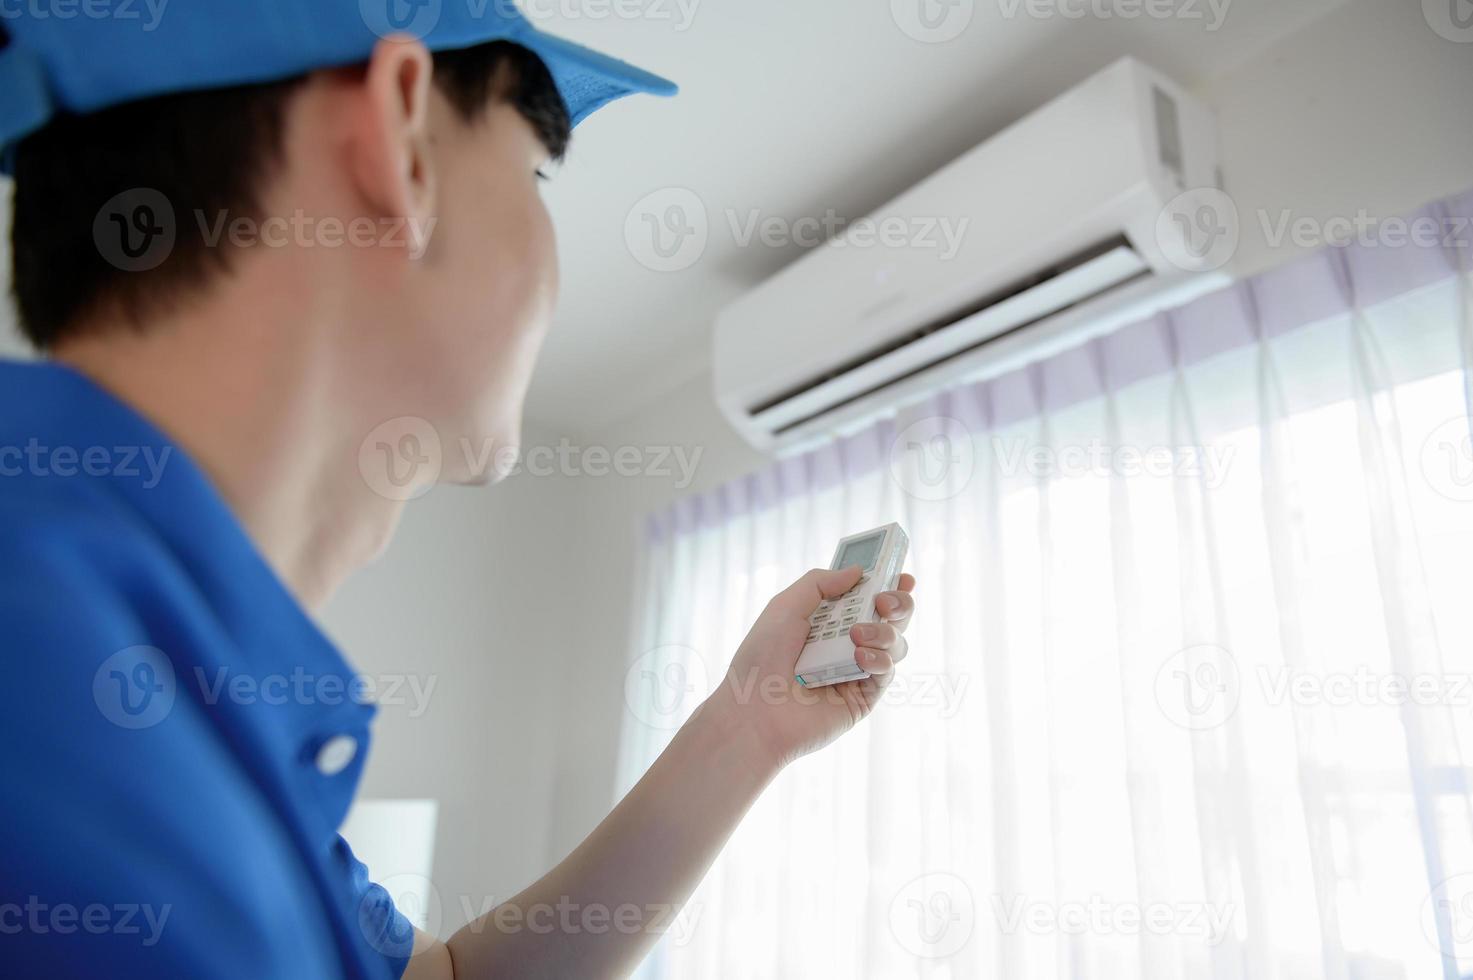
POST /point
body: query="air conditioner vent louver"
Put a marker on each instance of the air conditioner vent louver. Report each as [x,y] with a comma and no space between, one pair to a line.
[964,352]
[1041,280]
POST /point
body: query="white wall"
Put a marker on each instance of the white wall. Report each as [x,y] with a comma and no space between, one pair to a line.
[615,510]
[1366,109]
[467,599]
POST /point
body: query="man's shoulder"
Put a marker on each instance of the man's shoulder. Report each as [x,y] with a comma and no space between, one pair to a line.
[86,595]
[84,591]
[58,537]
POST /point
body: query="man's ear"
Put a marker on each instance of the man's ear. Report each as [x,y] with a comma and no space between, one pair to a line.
[392,162]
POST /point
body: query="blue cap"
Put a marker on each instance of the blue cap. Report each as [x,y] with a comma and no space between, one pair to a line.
[84,55]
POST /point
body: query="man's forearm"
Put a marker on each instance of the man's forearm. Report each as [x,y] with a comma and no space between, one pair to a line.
[598,912]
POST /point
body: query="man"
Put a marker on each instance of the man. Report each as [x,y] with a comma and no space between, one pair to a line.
[181,479]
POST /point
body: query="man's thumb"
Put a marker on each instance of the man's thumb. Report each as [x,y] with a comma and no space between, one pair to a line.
[818,584]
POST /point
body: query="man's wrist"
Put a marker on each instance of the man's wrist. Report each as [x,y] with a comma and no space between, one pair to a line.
[730,735]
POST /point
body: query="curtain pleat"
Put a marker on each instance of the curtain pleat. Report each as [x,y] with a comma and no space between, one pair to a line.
[1228,861]
[1411,628]
[1284,535]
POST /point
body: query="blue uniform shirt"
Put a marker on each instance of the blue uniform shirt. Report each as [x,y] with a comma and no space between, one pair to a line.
[179,742]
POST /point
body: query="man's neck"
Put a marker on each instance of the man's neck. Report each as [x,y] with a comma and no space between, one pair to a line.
[256,406]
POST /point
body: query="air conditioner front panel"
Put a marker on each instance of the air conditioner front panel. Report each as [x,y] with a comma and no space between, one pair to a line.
[841,324]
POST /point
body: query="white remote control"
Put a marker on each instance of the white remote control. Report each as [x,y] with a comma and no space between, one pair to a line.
[828,655]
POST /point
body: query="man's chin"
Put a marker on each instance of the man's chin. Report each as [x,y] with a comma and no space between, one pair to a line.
[485,478]
[486,469]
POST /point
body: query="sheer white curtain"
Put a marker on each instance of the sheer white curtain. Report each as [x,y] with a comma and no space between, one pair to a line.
[1189,686]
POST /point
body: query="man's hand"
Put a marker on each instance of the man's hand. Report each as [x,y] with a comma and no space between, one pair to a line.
[760,691]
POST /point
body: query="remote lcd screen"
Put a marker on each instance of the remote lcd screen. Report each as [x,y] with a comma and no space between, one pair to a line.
[862,552]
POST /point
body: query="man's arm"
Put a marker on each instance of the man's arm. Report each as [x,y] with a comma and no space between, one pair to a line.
[636,870]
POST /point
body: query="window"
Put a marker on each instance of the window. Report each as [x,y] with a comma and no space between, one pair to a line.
[1190,689]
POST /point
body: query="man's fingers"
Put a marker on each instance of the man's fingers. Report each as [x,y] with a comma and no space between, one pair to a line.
[804,595]
[896,607]
[878,647]
[880,661]
[816,585]
[832,584]
[874,661]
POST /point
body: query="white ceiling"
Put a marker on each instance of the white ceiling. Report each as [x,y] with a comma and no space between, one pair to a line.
[790,109]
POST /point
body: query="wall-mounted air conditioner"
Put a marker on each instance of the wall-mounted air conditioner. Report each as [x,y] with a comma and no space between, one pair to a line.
[1061,235]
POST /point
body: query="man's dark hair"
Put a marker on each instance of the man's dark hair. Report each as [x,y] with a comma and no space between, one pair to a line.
[209,152]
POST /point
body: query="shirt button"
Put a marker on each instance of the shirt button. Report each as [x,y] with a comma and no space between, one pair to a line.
[336,753]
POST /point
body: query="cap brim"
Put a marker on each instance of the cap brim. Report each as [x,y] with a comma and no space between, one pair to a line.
[588,79]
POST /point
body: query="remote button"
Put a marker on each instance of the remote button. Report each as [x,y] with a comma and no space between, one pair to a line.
[831,634]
